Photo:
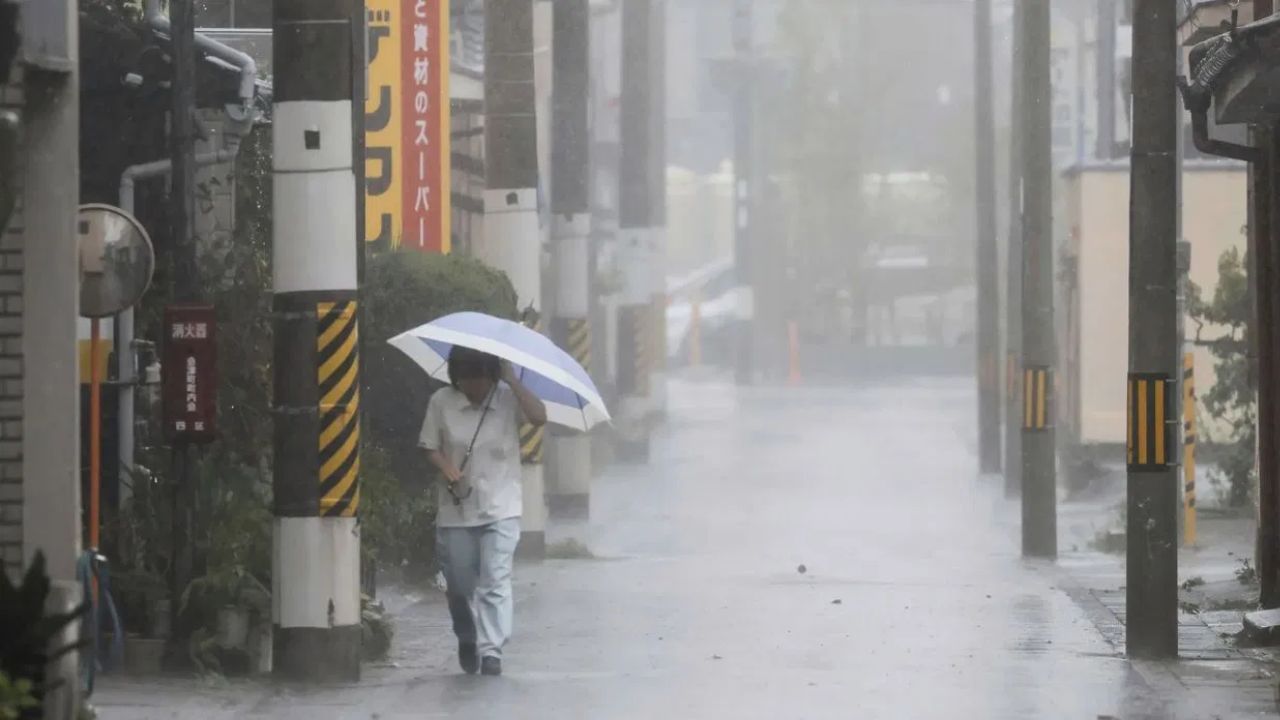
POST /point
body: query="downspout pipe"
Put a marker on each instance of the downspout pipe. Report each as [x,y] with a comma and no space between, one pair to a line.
[1211,60]
[159,22]
[1197,101]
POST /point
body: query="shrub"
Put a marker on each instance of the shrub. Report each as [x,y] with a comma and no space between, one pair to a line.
[402,290]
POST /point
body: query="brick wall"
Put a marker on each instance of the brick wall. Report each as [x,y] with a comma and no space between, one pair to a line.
[11,242]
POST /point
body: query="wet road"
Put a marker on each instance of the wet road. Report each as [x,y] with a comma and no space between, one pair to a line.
[914,602]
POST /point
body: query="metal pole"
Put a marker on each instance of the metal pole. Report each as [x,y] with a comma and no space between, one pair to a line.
[1152,565]
[95,433]
[512,240]
[1039,486]
[569,484]
[743,190]
[635,235]
[182,138]
[1013,272]
[1189,449]
[316,560]
[186,288]
[986,262]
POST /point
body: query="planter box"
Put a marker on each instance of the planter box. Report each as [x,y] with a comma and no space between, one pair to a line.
[143,656]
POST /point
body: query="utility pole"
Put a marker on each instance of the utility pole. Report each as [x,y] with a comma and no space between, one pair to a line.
[1013,273]
[186,289]
[316,562]
[635,232]
[569,490]
[743,188]
[1262,275]
[658,199]
[1152,567]
[605,78]
[1106,67]
[512,241]
[1039,477]
[1262,230]
[986,262]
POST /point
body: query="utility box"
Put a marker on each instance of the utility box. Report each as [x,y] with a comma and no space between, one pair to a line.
[48,34]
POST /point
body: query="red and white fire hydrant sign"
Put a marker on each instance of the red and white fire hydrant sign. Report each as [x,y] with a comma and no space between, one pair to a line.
[190,380]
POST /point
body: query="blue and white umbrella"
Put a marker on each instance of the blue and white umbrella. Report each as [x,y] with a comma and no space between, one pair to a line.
[549,372]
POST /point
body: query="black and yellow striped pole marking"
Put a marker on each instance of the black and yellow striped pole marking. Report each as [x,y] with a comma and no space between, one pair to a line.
[579,334]
[531,437]
[640,344]
[1189,448]
[657,332]
[633,362]
[1037,399]
[1151,422]
[337,372]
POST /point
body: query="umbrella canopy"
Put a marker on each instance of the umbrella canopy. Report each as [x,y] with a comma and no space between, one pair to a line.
[549,372]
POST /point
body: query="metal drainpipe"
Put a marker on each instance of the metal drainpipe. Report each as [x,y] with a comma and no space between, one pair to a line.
[126,361]
[159,22]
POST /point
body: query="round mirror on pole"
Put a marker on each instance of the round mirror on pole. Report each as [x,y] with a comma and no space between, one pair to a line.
[116,260]
[116,264]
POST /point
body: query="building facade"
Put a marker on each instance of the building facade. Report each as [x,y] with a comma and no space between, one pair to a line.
[39,295]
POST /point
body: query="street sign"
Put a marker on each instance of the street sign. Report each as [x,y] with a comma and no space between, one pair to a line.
[189,374]
[116,260]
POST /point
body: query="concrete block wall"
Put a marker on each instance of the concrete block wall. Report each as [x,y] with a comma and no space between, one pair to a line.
[11,389]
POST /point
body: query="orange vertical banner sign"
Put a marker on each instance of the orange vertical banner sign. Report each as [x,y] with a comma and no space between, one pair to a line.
[424,128]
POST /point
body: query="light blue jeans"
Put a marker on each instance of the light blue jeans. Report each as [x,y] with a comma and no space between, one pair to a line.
[477,565]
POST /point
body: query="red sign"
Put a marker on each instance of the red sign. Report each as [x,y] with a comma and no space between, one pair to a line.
[190,380]
[425,131]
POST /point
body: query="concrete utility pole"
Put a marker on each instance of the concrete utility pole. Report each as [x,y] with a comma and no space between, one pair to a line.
[1152,568]
[987,261]
[569,491]
[512,242]
[1262,274]
[1013,273]
[1106,67]
[1264,226]
[186,289]
[635,228]
[658,198]
[1039,491]
[743,189]
[605,78]
[316,563]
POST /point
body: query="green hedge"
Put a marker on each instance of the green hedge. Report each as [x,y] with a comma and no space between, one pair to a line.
[403,290]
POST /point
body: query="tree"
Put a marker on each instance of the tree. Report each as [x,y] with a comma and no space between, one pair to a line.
[1232,398]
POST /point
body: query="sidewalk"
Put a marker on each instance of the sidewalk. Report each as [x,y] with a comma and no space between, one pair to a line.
[1214,675]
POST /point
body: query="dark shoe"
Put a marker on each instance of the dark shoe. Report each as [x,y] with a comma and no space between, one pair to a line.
[491,666]
[467,658]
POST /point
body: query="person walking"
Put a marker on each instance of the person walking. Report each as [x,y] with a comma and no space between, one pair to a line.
[471,435]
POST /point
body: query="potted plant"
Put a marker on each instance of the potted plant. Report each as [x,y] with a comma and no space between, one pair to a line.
[234,597]
[32,640]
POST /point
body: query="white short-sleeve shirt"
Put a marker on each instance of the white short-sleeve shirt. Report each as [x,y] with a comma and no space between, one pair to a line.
[493,470]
